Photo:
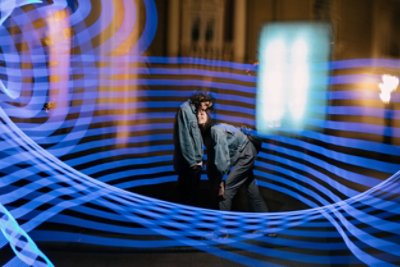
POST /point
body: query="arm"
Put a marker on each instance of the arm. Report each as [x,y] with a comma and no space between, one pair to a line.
[222,158]
[191,146]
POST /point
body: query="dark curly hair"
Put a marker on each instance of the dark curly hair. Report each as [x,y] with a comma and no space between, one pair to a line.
[202,96]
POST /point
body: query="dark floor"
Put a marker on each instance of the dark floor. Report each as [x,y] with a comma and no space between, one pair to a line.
[127,259]
[168,192]
[85,256]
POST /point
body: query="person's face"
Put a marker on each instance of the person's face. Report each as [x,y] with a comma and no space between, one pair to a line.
[205,105]
[202,117]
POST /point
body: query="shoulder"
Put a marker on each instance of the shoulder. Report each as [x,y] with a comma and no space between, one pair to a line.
[185,105]
[188,107]
[218,129]
[224,127]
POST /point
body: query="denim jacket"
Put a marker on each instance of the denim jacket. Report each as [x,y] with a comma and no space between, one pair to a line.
[187,137]
[228,142]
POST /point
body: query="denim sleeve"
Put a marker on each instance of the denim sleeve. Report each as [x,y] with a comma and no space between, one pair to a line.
[189,136]
[221,148]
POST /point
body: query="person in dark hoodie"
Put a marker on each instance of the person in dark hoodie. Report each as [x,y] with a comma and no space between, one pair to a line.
[188,146]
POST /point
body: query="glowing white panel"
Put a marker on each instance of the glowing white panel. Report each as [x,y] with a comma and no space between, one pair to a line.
[292,75]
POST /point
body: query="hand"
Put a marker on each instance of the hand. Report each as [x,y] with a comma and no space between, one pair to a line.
[196,167]
[221,190]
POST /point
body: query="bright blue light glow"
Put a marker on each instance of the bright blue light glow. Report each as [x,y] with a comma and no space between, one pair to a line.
[293,64]
[21,243]
[48,160]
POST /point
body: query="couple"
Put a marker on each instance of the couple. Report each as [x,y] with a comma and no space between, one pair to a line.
[231,155]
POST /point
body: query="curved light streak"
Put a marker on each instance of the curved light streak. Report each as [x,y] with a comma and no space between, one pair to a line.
[64,180]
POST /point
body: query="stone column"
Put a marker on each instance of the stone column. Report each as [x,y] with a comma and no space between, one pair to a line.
[239,33]
[173,27]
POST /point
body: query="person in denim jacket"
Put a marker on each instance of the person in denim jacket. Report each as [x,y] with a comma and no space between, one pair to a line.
[188,146]
[233,156]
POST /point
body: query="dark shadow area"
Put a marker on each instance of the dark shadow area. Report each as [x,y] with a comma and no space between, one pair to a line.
[169,192]
[85,256]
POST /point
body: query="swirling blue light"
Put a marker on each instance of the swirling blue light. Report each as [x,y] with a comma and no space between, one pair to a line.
[68,176]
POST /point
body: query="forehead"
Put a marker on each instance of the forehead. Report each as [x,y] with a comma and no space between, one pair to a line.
[202,113]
